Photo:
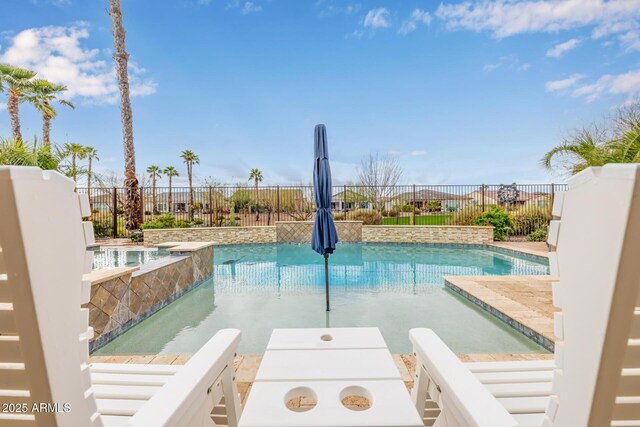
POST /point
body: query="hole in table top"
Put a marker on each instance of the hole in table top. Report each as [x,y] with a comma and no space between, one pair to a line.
[300,399]
[326,337]
[356,398]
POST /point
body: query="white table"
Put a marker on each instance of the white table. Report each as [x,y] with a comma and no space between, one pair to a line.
[328,364]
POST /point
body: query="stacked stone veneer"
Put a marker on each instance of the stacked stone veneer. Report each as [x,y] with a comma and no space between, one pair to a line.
[300,232]
[427,234]
[217,235]
[120,301]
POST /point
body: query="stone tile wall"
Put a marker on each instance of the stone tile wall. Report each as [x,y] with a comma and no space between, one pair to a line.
[217,235]
[300,231]
[427,234]
[121,302]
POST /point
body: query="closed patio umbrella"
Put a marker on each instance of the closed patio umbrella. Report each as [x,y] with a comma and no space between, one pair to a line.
[324,237]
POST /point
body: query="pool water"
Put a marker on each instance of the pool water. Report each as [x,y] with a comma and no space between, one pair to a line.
[395,287]
[106,257]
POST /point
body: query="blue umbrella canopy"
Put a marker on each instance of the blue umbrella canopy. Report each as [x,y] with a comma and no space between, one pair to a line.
[324,237]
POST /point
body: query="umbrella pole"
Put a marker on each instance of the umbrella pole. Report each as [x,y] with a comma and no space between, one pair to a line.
[326,277]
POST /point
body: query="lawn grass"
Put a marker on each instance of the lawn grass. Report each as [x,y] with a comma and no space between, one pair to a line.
[438,219]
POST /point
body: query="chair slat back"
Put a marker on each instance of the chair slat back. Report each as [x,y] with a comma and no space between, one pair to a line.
[43,334]
[597,242]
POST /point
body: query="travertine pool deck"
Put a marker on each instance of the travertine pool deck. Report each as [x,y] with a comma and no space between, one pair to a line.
[523,302]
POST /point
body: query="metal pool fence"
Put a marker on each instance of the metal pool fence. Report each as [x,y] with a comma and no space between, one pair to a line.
[229,206]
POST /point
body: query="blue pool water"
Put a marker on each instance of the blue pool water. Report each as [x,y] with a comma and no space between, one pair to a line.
[106,257]
[395,287]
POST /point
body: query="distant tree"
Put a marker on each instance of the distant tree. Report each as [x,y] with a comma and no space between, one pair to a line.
[42,94]
[75,152]
[18,81]
[170,172]
[154,173]
[378,174]
[256,176]
[91,154]
[190,158]
[508,194]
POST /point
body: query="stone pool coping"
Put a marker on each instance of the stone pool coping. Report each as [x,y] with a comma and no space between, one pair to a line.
[522,302]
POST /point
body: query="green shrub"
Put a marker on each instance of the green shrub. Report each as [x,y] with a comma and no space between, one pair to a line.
[162,221]
[530,219]
[407,208]
[102,228]
[137,236]
[465,216]
[393,213]
[433,206]
[339,217]
[368,217]
[198,221]
[498,218]
[540,235]
[183,223]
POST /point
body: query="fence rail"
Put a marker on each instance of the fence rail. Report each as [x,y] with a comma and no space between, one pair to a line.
[226,206]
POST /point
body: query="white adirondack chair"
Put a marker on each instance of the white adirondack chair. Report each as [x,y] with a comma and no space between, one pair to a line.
[594,380]
[44,334]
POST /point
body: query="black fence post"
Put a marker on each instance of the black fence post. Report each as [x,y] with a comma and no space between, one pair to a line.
[210,207]
[483,187]
[344,201]
[142,215]
[413,211]
[278,201]
[115,213]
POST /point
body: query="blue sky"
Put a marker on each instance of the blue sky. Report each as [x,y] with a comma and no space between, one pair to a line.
[467,92]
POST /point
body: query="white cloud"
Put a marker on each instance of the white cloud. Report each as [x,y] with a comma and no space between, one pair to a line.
[621,84]
[508,62]
[57,55]
[250,7]
[505,18]
[561,48]
[631,40]
[556,85]
[418,16]
[3,106]
[418,153]
[377,18]
[246,7]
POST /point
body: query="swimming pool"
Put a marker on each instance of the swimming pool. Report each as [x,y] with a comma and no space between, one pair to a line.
[395,287]
[106,257]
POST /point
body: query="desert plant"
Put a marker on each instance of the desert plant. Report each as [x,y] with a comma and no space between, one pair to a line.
[256,176]
[368,217]
[498,218]
[433,206]
[539,235]
[530,218]
[161,221]
[15,152]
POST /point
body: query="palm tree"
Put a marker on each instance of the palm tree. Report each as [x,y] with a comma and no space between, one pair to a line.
[76,151]
[190,158]
[19,153]
[170,171]
[256,176]
[154,173]
[90,154]
[42,94]
[18,81]
[133,216]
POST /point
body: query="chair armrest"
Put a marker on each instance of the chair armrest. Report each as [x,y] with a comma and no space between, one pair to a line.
[462,396]
[189,388]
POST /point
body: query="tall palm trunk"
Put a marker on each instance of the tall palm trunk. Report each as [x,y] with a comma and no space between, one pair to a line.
[132,201]
[46,130]
[153,195]
[12,106]
[190,172]
[257,206]
[74,171]
[89,173]
[170,196]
